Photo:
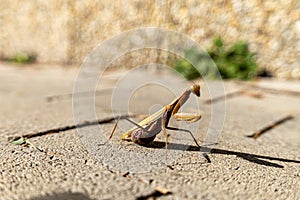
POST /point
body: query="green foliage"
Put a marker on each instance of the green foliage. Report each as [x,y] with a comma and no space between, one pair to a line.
[202,65]
[23,58]
[235,61]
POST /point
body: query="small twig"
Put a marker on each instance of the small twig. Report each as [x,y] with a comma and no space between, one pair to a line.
[70,95]
[223,97]
[66,128]
[271,126]
[272,90]
[254,94]
[230,95]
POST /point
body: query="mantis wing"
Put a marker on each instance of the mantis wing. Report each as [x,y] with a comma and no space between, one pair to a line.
[144,122]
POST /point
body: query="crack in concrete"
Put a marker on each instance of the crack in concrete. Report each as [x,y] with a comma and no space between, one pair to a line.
[70,127]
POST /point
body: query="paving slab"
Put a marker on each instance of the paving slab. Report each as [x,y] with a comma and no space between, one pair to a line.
[74,166]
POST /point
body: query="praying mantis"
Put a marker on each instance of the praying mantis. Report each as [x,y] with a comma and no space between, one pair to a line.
[145,131]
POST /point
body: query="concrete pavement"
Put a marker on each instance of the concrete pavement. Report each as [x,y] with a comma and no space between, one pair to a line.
[38,98]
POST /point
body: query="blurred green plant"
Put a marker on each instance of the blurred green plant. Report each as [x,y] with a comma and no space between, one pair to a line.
[202,65]
[235,61]
[23,58]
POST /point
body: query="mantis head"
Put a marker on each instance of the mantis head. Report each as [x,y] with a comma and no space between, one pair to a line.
[196,89]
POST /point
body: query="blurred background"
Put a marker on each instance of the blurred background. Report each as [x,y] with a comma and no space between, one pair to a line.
[245,38]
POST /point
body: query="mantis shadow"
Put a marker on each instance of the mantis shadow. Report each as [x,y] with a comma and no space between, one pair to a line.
[254,158]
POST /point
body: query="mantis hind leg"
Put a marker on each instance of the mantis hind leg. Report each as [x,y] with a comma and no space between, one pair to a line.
[166,137]
[112,133]
[184,130]
[188,131]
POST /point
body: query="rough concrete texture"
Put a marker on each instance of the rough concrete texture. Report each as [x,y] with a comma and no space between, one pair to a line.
[66,31]
[35,98]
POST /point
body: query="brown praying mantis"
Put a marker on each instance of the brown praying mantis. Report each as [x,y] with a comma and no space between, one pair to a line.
[145,131]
